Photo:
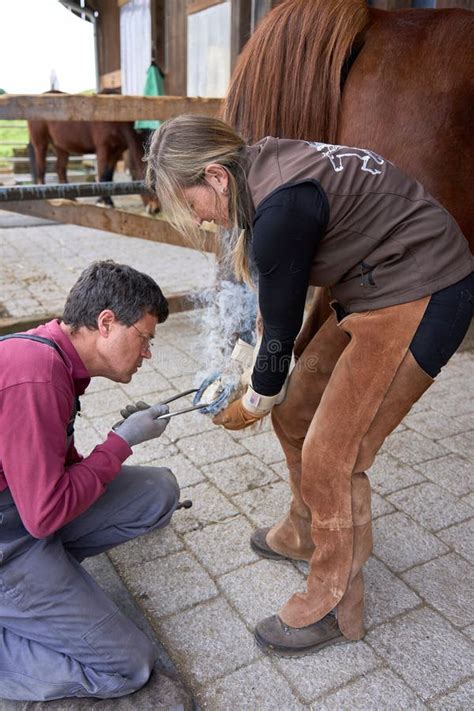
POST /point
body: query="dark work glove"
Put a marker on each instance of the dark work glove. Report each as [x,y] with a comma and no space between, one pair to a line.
[142,425]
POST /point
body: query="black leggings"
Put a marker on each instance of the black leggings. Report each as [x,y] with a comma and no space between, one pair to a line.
[444,325]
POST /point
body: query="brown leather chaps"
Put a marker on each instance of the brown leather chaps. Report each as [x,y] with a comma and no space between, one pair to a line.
[352,385]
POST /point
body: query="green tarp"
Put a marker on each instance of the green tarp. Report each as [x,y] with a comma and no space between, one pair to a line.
[154,86]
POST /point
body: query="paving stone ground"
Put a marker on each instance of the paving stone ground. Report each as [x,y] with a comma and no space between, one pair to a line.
[198,583]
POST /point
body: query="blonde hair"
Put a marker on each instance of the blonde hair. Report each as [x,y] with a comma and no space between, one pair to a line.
[177,157]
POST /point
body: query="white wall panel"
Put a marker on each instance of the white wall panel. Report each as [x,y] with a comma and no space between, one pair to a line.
[135,45]
[209,51]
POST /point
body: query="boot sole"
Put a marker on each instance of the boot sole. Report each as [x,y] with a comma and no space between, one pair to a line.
[295,653]
[268,553]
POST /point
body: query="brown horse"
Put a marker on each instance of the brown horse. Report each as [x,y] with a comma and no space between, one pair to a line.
[400,83]
[107,139]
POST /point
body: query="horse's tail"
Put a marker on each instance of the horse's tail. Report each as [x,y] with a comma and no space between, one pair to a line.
[287,81]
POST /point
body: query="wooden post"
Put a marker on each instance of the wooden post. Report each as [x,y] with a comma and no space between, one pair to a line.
[240,28]
[176,48]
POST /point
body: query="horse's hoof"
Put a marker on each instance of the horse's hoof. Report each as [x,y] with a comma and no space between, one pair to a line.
[103,202]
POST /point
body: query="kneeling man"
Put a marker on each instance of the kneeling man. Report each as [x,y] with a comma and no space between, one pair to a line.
[60,635]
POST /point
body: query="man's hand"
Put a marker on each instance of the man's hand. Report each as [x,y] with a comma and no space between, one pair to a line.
[131,409]
[143,425]
[236,417]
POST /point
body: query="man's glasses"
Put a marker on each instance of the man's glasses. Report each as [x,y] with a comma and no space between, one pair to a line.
[146,339]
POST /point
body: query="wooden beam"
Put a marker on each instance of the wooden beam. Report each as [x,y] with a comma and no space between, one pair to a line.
[79,107]
[128,224]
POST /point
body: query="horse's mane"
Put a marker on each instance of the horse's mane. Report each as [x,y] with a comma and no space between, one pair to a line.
[287,81]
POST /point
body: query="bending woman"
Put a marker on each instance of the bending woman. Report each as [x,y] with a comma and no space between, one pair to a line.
[399,272]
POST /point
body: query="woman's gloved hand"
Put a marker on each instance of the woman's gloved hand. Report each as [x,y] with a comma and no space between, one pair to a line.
[236,417]
[143,425]
[247,410]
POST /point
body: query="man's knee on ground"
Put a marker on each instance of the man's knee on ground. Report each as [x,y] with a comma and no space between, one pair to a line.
[141,663]
[128,656]
[133,672]
[162,495]
[169,485]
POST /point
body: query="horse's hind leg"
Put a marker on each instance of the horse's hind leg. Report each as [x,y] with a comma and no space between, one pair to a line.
[39,139]
[107,175]
[40,149]
[62,159]
[33,164]
[105,172]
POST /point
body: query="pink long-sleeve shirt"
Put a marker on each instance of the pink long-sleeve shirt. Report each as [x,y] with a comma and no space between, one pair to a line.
[50,483]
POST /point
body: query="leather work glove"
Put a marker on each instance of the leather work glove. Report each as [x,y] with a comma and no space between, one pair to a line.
[248,409]
[236,417]
[143,425]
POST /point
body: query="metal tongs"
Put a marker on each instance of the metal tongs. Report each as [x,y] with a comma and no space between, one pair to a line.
[185,409]
[172,414]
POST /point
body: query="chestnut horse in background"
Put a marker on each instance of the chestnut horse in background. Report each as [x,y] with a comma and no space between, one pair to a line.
[400,83]
[107,139]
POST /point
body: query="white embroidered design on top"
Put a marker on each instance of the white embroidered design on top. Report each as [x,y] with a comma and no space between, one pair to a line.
[337,153]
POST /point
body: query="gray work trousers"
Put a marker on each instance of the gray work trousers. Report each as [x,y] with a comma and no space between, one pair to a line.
[60,635]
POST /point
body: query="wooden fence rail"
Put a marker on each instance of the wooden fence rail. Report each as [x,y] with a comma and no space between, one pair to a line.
[74,107]
[108,107]
[119,222]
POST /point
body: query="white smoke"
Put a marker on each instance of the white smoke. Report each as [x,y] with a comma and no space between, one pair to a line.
[228,313]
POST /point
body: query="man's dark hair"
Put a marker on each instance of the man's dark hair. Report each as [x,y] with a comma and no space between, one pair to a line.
[130,294]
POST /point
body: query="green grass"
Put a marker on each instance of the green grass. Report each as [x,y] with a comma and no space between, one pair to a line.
[19,135]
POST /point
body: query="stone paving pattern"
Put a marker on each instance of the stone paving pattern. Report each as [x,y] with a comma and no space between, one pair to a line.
[198,582]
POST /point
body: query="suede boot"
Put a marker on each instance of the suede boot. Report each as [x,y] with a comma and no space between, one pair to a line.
[407,387]
[348,428]
[277,638]
[350,610]
[347,620]
[341,550]
[291,537]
